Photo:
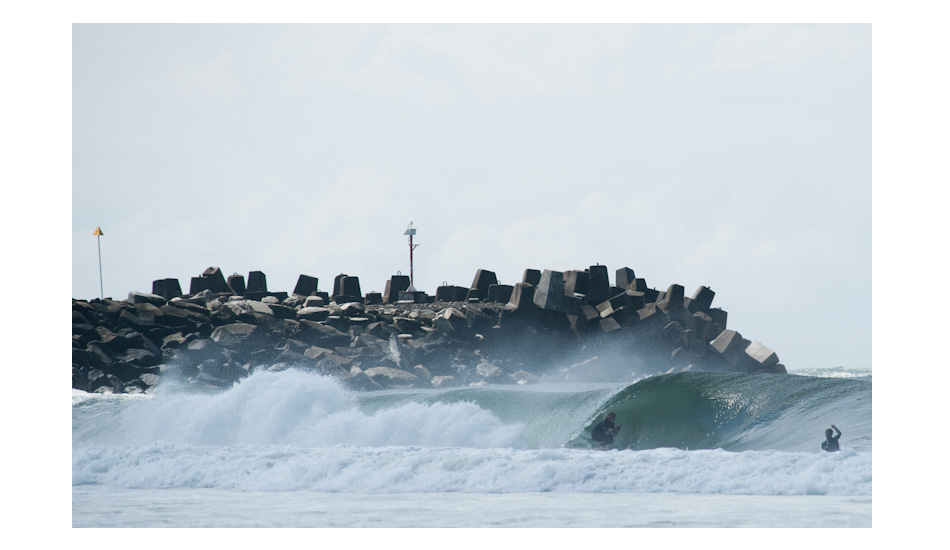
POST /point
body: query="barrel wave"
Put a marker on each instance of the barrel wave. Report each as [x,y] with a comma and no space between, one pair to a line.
[298,431]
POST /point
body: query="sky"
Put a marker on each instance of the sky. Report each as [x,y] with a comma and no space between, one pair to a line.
[734,156]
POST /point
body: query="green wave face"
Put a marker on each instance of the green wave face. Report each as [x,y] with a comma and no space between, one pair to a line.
[686,410]
[739,412]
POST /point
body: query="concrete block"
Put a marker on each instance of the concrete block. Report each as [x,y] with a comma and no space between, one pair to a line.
[701,300]
[166,288]
[763,356]
[635,300]
[199,284]
[483,280]
[625,279]
[672,299]
[395,285]
[476,295]
[728,343]
[347,289]
[522,297]
[531,277]
[236,282]
[373,298]
[306,285]
[609,324]
[216,281]
[256,282]
[598,284]
[412,297]
[575,282]
[719,316]
[549,290]
[500,293]
[451,293]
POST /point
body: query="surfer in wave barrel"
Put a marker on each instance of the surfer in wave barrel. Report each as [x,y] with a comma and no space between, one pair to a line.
[604,432]
[830,443]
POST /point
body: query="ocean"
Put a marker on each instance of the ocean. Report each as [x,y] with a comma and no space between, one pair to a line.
[296,449]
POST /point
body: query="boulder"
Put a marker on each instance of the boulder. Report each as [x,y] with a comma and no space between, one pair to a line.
[313,313]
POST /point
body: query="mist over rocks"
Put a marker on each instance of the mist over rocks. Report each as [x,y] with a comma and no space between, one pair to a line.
[552,326]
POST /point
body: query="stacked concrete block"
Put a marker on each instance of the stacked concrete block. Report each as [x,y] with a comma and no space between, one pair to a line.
[575,282]
[483,280]
[216,281]
[347,289]
[531,277]
[522,297]
[256,282]
[625,279]
[236,282]
[549,294]
[199,284]
[499,293]
[395,285]
[598,284]
[306,285]
[763,357]
[701,300]
[166,288]
[450,293]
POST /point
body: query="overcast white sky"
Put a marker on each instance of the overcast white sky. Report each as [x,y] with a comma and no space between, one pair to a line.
[732,156]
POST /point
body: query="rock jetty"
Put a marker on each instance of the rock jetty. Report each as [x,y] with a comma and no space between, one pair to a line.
[553,325]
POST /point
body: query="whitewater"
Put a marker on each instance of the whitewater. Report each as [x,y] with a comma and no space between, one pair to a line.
[297,449]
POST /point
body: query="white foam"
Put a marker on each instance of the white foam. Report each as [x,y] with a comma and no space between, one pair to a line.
[419,470]
[301,409]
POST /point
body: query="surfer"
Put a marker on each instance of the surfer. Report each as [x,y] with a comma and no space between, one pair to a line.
[605,431]
[830,443]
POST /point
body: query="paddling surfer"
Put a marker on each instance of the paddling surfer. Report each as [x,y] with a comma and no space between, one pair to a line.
[605,431]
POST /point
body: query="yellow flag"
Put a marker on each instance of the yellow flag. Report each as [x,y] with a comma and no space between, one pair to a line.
[98,231]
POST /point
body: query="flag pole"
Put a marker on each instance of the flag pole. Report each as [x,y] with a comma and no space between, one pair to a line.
[98,233]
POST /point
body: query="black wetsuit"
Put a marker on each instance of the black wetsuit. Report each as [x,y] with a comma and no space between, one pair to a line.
[600,432]
[831,443]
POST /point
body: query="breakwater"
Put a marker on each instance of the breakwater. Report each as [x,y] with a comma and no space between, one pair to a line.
[572,325]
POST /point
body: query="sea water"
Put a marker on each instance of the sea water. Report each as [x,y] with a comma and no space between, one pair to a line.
[296,449]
